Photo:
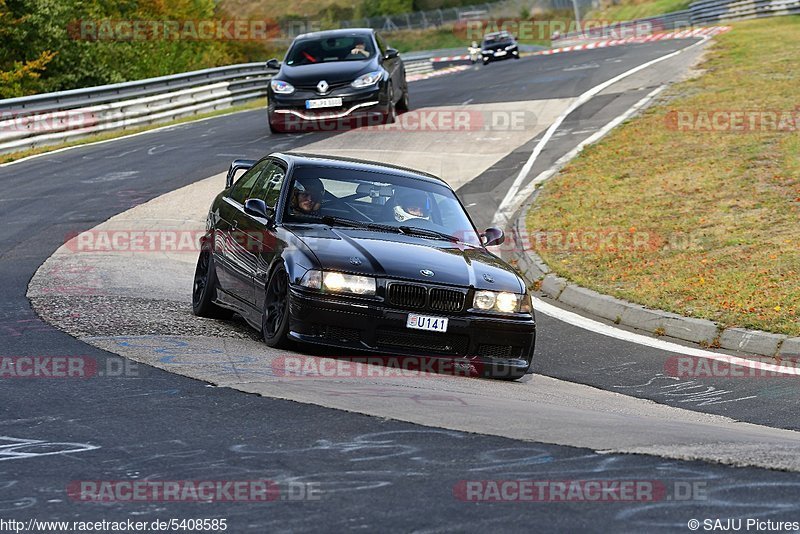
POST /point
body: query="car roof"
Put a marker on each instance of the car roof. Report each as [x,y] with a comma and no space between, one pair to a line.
[336,33]
[317,160]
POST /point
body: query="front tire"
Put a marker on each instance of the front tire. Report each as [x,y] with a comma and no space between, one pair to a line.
[403,105]
[204,290]
[391,111]
[275,317]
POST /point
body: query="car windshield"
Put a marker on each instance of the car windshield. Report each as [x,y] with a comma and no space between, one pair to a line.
[496,38]
[378,201]
[328,49]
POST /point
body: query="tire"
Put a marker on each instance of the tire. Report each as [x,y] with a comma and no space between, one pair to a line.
[391,114]
[275,317]
[204,289]
[274,128]
[403,105]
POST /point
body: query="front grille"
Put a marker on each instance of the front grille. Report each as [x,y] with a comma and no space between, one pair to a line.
[446,343]
[313,86]
[498,351]
[407,296]
[446,300]
[335,333]
[418,297]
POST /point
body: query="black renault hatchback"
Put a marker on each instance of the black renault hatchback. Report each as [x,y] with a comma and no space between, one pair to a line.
[499,45]
[336,78]
[361,256]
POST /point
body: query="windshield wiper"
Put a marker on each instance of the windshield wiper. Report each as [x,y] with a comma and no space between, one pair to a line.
[414,230]
[341,221]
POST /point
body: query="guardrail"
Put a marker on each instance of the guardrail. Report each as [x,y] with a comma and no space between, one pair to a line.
[700,12]
[66,116]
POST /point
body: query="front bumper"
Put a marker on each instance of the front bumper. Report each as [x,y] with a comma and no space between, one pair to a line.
[366,106]
[498,55]
[364,325]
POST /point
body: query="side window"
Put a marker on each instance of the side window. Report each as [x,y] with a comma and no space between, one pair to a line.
[241,189]
[269,185]
[381,44]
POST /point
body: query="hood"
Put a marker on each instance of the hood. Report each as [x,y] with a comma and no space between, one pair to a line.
[403,257]
[333,72]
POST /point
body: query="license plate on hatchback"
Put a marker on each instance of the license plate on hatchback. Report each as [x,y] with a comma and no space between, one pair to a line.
[323,103]
[426,322]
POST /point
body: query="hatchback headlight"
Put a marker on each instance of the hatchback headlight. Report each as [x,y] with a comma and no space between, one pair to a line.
[503,301]
[509,47]
[281,87]
[368,79]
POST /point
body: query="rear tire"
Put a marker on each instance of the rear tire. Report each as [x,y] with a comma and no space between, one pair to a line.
[204,290]
[275,317]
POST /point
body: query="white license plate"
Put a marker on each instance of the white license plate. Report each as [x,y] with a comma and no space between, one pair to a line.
[426,322]
[323,103]
[500,53]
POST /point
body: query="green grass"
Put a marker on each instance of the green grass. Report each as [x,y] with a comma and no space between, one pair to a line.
[636,9]
[720,210]
[255,104]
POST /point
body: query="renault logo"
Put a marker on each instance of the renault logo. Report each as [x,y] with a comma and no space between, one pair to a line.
[322,86]
[426,272]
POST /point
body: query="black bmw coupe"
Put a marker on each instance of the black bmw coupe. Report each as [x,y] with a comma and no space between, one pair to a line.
[336,78]
[361,256]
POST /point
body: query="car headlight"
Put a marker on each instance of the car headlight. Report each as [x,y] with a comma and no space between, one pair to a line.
[339,282]
[368,79]
[281,87]
[505,302]
[312,279]
[509,47]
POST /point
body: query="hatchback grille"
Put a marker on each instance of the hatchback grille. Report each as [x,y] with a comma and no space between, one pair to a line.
[418,297]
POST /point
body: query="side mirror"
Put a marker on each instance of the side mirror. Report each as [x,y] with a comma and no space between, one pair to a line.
[273,64]
[257,208]
[391,53]
[493,237]
[236,166]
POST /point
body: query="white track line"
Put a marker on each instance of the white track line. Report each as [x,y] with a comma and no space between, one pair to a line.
[504,214]
[606,330]
[512,202]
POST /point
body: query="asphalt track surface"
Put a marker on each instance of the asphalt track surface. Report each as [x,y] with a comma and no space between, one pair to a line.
[373,473]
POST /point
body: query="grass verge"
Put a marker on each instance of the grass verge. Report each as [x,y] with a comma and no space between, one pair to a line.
[13,156]
[676,215]
[637,9]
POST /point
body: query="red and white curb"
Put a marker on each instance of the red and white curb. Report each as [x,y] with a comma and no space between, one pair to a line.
[685,34]
[440,72]
[699,32]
